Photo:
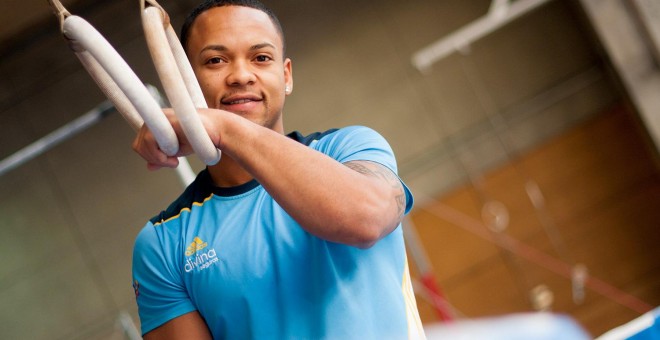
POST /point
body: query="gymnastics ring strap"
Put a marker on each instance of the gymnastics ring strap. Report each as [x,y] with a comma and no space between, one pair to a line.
[131,98]
[115,78]
[178,79]
[102,78]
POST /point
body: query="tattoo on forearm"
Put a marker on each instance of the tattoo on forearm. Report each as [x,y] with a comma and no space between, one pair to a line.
[359,168]
[381,172]
[401,203]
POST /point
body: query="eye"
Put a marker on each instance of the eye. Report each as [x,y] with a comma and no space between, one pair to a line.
[214,60]
[262,58]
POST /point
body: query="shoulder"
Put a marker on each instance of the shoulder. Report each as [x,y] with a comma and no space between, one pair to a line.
[354,131]
[311,138]
[338,143]
[357,143]
[149,245]
[146,238]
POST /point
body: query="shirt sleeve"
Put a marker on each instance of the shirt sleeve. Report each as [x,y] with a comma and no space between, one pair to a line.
[159,290]
[361,143]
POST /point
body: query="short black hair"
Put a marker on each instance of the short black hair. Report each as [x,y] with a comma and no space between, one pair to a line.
[208,4]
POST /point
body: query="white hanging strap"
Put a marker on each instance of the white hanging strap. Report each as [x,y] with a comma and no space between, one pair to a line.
[98,74]
[110,89]
[89,39]
[171,71]
[185,68]
[115,78]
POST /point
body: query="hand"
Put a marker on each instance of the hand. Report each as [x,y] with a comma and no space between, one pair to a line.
[146,146]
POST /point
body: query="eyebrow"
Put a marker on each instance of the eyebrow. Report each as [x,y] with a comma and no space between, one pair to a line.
[223,48]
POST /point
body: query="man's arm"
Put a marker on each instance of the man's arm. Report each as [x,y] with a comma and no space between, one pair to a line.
[356,204]
[385,176]
[187,326]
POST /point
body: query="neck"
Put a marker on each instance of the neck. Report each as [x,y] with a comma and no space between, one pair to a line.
[227,173]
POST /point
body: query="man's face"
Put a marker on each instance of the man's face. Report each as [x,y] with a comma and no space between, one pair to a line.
[236,53]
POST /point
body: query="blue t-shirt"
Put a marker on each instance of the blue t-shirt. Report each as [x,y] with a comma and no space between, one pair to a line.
[251,271]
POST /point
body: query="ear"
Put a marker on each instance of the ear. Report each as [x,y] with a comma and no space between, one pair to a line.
[288,76]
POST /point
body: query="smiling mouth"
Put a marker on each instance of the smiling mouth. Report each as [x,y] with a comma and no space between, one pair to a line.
[239,101]
[240,98]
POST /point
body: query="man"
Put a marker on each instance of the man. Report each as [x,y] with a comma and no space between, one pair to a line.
[287,237]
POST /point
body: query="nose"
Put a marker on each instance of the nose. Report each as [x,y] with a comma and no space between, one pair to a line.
[240,74]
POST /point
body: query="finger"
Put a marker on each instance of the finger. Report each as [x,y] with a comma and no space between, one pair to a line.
[153,167]
[169,162]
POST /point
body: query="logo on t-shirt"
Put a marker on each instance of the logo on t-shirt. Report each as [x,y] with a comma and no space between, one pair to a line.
[196,245]
[197,257]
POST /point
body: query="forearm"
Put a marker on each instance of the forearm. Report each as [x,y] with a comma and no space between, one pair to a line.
[327,198]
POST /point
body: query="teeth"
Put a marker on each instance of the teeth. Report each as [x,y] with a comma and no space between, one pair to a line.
[240,101]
